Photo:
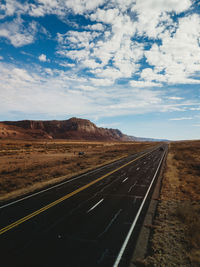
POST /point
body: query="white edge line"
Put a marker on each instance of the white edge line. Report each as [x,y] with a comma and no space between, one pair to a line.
[111,222]
[132,186]
[125,179]
[135,220]
[93,207]
[68,181]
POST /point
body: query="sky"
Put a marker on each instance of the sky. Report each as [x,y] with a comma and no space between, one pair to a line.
[127,64]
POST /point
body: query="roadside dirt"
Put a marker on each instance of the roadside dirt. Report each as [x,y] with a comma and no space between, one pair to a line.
[176,229]
[27,166]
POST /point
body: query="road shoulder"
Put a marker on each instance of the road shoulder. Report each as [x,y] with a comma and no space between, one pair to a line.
[142,246]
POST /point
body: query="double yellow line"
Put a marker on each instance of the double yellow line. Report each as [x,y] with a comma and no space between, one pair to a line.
[35,213]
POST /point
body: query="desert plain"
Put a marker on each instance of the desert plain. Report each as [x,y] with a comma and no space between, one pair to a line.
[27,166]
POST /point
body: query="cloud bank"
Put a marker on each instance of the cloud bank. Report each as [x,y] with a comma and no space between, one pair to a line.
[109,58]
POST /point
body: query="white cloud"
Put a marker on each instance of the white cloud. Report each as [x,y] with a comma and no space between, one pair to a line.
[115,49]
[96,27]
[34,93]
[31,91]
[141,84]
[136,101]
[46,7]
[181,119]
[91,63]
[17,33]
[115,45]
[106,16]
[122,5]
[87,88]
[158,6]
[80,43]
[81,6]
[110,72]
[37,10]
[42,58]
[115,55]
[21,75]
[49,71]
[101,82]
[179,54]
[76,39]
[76,55]
[153,13]
[60,7]
[10,7]
[42,7]
[66,64]
[198,108]
[175,98]
[149,75]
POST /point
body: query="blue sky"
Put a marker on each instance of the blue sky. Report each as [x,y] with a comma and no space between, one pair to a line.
[127,64]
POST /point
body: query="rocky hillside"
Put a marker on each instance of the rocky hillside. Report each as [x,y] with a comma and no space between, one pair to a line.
[74,128]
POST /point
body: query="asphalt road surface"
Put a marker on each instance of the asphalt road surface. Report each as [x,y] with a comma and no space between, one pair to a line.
[90,220]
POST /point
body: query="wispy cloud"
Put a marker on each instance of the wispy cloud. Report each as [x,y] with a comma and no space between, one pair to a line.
[175,98]
[142,84]
[20,89]
[195,109]
[181,119]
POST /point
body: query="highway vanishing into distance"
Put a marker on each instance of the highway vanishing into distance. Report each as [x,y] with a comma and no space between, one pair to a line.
[90,220]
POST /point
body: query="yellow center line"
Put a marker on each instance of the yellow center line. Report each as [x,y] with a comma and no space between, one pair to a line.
[35,213]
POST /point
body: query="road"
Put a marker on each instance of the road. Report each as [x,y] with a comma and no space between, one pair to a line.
[90,220]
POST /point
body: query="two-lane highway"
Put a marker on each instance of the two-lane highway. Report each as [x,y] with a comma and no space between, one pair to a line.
[86,221]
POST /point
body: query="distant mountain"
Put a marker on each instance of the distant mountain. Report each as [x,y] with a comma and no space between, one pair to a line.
[144,139]
[72,129]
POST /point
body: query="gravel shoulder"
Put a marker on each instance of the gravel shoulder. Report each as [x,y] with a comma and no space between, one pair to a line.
[175,235]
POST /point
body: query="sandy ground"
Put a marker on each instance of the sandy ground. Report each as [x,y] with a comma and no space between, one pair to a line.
[27,166]
[176,235]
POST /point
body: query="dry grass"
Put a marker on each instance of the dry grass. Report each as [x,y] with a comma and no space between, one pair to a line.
[26,166]
[184,161]
[176,239]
